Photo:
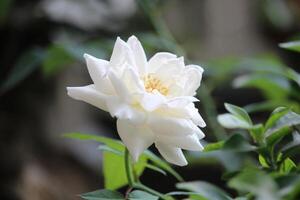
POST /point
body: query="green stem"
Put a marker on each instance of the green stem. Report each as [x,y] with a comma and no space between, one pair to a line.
[128,168]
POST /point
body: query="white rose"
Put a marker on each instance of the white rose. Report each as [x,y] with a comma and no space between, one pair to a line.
[152,100]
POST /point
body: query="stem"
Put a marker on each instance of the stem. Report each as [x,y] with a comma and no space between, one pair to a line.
[128,168]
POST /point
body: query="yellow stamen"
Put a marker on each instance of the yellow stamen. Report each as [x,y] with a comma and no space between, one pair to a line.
[151,83]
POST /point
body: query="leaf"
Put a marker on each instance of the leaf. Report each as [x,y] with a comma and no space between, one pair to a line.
[162,164]
[25,65]
[256,182]
[238,143]
[239,112]
[111,150]
[102,195]
[141,195]
[154,168]
[275,116]
[57,58]
[214,146]
[114,170]
[287,166]
[257,133]
[293,147]
[263,161]
[293,46]
[231,121]
[204,189]
[276,136]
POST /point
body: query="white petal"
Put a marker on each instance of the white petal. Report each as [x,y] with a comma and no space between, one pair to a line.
[135,138]
[121,110]
[120,87]
[189,142]
[151,101]
[171,154]
[139,54]
[98,69]
[158,59]
[195,116]
[170,126]
[181,101]
[193,75]
[121,54]
[170,69]
[132,81]
[88,94]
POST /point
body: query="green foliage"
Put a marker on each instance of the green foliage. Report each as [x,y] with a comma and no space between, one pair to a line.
[25,65]
[141,195]
[102,195]
[293,46]
[204,190]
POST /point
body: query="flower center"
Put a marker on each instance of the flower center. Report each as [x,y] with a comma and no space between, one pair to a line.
[151,83]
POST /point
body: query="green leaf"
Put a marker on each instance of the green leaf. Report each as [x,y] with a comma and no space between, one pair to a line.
[293,147]
[275,116]
[204,189]
[293,46]
[57,59]
[238,143]
[214,146]
[256,182]
[289,119]
[111,150]
[102,195]
[276,136]
[141,195]
[239,112]
[257,133]
[114,170]
[162,164]
[25,65]
[263,161]
[231,122]
[157,169]
[287,166]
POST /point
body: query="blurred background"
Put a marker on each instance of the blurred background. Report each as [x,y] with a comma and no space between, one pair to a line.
[42,43]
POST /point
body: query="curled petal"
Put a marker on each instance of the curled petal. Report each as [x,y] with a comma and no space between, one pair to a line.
[171,154]
[170,126]
[193,75]
[189,142]
[135,138]
[159,59]
[88,94]
[117,108]
[98,69]
[139,54]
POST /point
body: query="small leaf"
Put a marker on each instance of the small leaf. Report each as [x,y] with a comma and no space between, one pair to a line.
[214,146]
[263,161]
[102,195]
[287,166]
[141,195]
[204,189]
[239,112]
[25,65]
[256,182]
[111,150]
[238,143]
[231,121]
[276,136]
[275,116]
[293,46]
[157,169]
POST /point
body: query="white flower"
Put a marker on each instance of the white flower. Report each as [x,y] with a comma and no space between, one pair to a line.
[152,100]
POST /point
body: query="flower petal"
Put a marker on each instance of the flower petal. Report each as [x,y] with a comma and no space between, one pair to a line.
[189,142]
[139,54]
[98,69]
[171,154]
[121,55]
[170,126]
[121,110]
[135,138]
[193,75]
[151,101]
[120,87]
[88,94]
[158,59]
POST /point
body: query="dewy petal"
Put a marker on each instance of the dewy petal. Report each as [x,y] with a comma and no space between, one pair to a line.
[171,154]
[189,142]
[193,75]
[135,138]
[88,94]
[138,54]
[121,55]
[170,126]
[118,108]
[97,69]
[158,59]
